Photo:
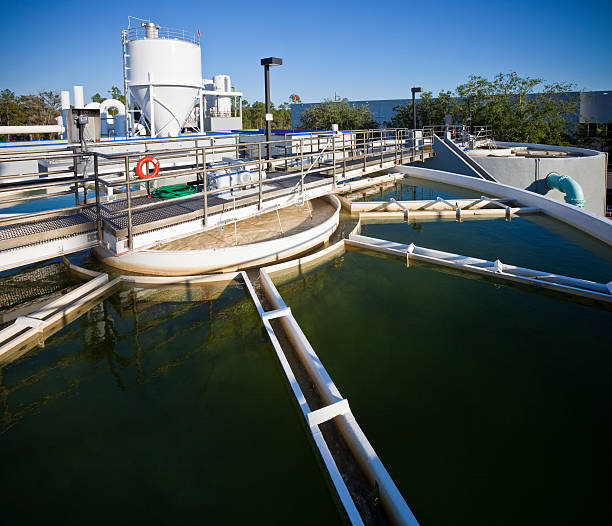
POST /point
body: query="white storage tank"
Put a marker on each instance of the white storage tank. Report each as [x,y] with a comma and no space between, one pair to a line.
[164,67]
[224,103]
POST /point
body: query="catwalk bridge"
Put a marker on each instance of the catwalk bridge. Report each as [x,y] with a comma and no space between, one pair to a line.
[234,176]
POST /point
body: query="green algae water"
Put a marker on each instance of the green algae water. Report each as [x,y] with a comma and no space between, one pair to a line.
[534,241]
[413,189]
[487,404]
[158,406]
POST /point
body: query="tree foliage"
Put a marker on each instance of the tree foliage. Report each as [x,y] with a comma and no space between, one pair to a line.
[430,111]
[254,115]
[25,110]
[518,109]
[340,112]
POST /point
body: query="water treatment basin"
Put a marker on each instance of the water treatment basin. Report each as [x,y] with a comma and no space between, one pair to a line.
[488,404]
[157,406]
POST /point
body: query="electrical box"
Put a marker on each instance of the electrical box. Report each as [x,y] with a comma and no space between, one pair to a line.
[88,119]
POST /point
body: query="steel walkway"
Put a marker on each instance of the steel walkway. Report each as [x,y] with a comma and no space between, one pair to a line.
[129,219]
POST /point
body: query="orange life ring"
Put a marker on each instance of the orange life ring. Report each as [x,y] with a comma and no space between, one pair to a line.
[147,159]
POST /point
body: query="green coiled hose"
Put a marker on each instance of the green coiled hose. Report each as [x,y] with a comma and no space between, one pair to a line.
[173,190]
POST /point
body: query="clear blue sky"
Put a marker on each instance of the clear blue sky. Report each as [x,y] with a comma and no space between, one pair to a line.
[373,50]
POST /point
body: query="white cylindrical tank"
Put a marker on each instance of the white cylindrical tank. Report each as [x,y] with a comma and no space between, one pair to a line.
[79,98]
[65,98]
[223,103]
[167,71]
[219,82]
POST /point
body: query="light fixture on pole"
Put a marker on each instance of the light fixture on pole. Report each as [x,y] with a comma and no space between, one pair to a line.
[266,63]
[414,90]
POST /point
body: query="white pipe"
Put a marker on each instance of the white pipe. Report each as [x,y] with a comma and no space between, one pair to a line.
[392,499]
[79,98]
[65,97]
[50,128]
[60,122]
[112,103]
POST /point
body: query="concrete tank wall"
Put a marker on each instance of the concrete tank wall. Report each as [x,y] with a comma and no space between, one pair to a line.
[589,171]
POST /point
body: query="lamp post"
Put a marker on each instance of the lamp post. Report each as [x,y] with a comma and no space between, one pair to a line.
[414,90]
[469,119]
[266,63]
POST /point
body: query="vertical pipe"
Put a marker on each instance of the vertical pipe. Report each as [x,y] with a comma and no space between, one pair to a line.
[381,148]
[98,214]
[469,101]
[204,188]
[75,159]
[129,200]
[127,106]
[286,153]
[268,123]
[197,152]
[259,167]
[302,166]
[413,112]
[343,156]
[201,111]
[85,163]
[365,152]
[65,99]
[395,147]
[334,159]
[79,98]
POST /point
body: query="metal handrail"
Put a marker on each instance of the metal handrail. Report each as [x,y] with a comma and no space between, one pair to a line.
[347,149]
[167,33]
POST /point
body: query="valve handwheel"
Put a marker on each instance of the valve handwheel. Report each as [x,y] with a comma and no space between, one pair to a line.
[147,159]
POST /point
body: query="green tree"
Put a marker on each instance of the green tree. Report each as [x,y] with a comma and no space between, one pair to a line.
[298,100]
[246,114]
[322,116]
[258,115]
[41,108]
[254,115]
[519,109]
[11,111]
[282,116]
[430,111]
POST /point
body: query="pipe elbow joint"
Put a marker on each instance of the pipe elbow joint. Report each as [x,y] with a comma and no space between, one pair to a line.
[568,186]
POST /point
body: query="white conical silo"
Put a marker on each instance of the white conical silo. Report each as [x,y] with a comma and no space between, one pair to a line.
[164,75]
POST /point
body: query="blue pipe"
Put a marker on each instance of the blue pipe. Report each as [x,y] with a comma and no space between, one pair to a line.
[564,183]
